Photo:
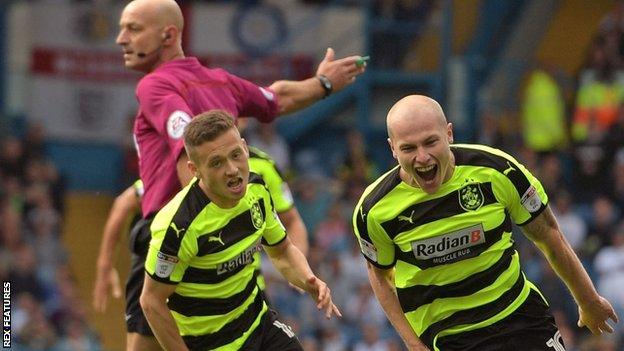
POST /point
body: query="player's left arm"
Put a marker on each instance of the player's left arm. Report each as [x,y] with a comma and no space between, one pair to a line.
[295,95]
[295,228]
[594,310]
[293,265]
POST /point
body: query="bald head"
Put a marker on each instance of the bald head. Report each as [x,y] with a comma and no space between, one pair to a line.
[162,13]
[415,110]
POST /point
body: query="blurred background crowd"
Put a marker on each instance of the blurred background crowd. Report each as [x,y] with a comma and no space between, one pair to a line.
[566,127]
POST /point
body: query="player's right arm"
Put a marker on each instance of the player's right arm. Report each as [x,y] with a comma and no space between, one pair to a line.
[106,277]
[154,304]
[379,251]
[382,282]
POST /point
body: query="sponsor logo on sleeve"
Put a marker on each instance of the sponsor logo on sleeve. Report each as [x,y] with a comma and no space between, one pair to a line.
[165,264]
[368,249]
[267,94]
[531,200]
[176,123]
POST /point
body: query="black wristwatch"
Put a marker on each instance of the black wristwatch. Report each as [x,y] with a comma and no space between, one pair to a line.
[326,84]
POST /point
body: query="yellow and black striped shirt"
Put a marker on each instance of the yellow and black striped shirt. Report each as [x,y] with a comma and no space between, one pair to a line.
[456,267]
[213,256]
[261,163]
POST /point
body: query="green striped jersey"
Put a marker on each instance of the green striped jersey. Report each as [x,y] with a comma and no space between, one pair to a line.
[456,268]
[213,256]
[262,164]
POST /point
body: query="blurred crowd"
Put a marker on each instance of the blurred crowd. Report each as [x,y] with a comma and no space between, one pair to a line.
[572,141]
[46,310]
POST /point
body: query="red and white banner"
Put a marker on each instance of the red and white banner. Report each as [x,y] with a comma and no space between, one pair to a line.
[79,88]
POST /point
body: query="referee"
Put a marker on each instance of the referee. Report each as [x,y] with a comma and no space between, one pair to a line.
[436,231]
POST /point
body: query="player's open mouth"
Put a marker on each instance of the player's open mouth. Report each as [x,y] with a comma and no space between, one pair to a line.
[427,173]
[235,184]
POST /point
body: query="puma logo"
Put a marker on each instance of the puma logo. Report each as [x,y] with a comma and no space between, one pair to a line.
[216,238]
[176,230]
[509,169]
[406,218]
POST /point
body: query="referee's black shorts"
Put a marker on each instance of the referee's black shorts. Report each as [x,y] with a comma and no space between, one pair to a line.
[139,244]
[530,328]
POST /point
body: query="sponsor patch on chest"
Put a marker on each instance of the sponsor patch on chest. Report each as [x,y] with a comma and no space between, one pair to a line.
[449,247]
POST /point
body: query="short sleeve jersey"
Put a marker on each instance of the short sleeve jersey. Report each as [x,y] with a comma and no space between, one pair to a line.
[261,163]
[168,98]
[456,267]
[213,256]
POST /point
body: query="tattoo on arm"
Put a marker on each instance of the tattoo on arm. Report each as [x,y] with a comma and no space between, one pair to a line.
[541,226]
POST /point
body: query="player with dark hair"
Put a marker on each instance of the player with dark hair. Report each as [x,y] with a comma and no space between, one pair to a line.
[202,266]
[436,231]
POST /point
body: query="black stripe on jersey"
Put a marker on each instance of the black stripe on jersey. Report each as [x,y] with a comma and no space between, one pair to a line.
[433,210]
[195,306]
[476,157]
[386,185]
[230,332]
[255,178]
[491,236]
[475,314]
[224,270]
[415,296]
[237,229]
[194,202]
[208,276]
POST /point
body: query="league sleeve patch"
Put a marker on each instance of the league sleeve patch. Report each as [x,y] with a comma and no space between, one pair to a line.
[531,200]
[368,249]
[176,123]
[267,94]
[165,264]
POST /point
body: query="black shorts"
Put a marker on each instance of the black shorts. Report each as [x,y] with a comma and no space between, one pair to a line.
[530,328]
[272,335]
[139,243]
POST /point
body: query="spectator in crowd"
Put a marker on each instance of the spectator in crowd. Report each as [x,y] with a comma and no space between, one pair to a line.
[598,97]
[265,137]
[609,264]
[543,113]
